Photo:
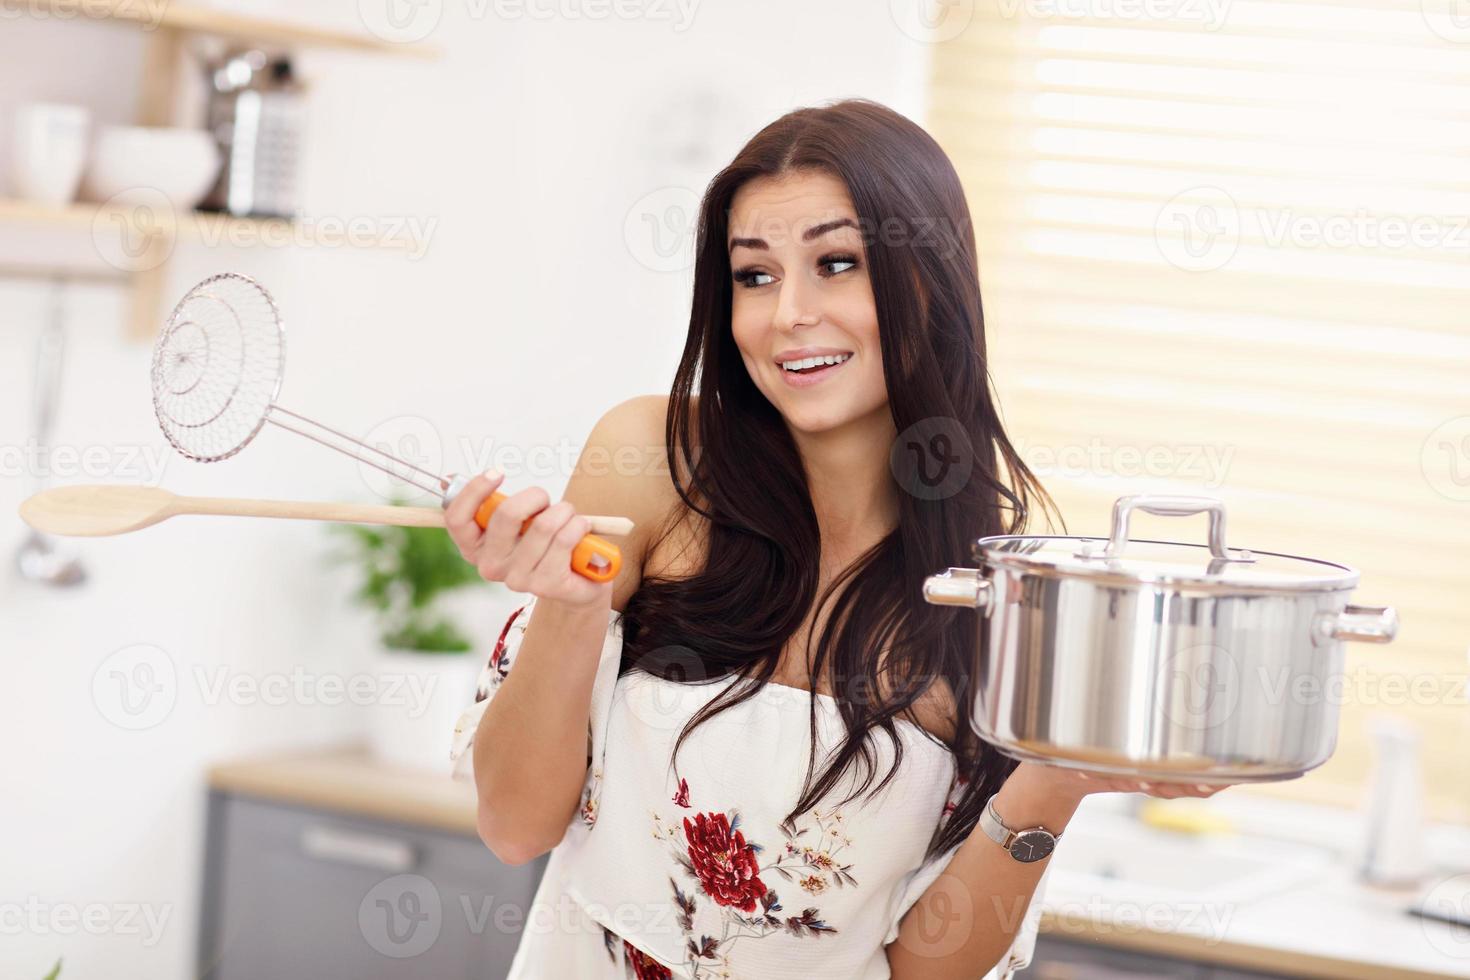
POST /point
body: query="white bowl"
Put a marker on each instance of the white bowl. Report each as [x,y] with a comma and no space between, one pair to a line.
[137,164]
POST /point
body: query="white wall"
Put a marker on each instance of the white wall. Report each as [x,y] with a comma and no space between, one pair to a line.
[523,149]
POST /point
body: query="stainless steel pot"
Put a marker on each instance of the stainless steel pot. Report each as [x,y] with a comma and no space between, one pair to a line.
[1160,659]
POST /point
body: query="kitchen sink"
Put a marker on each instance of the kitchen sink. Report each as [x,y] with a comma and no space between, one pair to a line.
[1110,855]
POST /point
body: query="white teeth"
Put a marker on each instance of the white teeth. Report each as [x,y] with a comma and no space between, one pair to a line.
[811,362]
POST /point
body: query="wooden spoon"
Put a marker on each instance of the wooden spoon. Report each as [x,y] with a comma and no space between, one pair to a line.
[94,510]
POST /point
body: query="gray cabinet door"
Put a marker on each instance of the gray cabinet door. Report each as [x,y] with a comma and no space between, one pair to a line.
[294,892]
[1063,959]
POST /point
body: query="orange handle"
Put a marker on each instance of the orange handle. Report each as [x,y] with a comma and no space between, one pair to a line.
[593,557]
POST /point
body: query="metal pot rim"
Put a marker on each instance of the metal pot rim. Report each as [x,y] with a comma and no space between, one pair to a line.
[1114,571]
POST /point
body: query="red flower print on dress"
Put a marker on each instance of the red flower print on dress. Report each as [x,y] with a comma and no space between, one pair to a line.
[723,862]
[494,674]
[712,850]
[642,966]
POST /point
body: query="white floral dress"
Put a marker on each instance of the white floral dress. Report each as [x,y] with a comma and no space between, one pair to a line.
[692,874]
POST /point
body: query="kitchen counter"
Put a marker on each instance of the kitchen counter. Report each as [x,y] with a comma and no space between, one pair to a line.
[1328,925]
[346,779]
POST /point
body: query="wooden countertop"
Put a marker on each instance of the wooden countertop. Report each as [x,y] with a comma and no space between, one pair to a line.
[348,779]
[1225,953]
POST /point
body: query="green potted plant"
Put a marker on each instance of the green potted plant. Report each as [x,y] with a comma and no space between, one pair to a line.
[427,660]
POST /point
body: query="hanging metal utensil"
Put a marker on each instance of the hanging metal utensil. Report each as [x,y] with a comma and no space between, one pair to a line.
[40,559]
[217,371]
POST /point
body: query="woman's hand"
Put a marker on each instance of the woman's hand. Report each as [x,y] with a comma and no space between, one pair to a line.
[1075,784]
[539,561]
[1038,794]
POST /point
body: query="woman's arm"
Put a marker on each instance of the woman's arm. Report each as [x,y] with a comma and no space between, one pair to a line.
[530,748]
[968,918]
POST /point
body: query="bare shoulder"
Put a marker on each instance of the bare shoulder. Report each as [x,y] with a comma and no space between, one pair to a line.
[935,708]
[624,471]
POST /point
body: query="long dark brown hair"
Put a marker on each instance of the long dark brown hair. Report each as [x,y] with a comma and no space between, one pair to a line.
[882,644]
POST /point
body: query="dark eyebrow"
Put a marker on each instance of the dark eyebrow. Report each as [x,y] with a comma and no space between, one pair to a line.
[814,232]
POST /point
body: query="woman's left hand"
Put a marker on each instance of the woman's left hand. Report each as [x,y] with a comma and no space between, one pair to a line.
[1076,783]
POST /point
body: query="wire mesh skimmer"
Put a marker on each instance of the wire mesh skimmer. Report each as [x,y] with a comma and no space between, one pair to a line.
[217,371]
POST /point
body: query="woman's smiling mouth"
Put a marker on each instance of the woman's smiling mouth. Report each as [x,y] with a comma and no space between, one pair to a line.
[803,372]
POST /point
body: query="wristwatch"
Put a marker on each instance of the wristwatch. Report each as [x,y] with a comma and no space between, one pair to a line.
[1028,845]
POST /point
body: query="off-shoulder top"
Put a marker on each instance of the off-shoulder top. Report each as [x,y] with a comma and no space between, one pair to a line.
[691,873]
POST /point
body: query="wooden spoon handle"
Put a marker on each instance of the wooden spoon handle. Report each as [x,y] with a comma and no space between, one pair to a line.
[313,510]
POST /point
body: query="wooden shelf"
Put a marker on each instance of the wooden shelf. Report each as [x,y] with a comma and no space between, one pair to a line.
[167,24]
[175,16]
[168,229]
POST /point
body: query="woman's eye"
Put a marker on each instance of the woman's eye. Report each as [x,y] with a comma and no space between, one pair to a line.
[749,278]
[836,264]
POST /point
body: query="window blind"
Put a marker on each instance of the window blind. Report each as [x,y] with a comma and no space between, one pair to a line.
[1224,251]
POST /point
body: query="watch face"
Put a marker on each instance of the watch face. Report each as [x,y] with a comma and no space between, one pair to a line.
[1032,845]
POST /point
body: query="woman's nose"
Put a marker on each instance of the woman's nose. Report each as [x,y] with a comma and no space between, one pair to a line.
[796,307]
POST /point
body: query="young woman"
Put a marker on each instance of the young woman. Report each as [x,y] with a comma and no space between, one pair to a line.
[751,755]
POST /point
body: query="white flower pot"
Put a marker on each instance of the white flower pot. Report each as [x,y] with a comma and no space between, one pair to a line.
[418,698]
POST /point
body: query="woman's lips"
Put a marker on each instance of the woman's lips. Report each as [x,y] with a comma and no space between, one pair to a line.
[798,379]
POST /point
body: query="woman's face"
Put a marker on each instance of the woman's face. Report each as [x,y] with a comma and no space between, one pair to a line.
[801,281]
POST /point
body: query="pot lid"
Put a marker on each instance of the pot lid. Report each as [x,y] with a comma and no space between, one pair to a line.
[1137,561]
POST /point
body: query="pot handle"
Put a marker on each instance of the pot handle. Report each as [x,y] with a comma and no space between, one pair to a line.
[1167,505]
[1369,624]
[960,587]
